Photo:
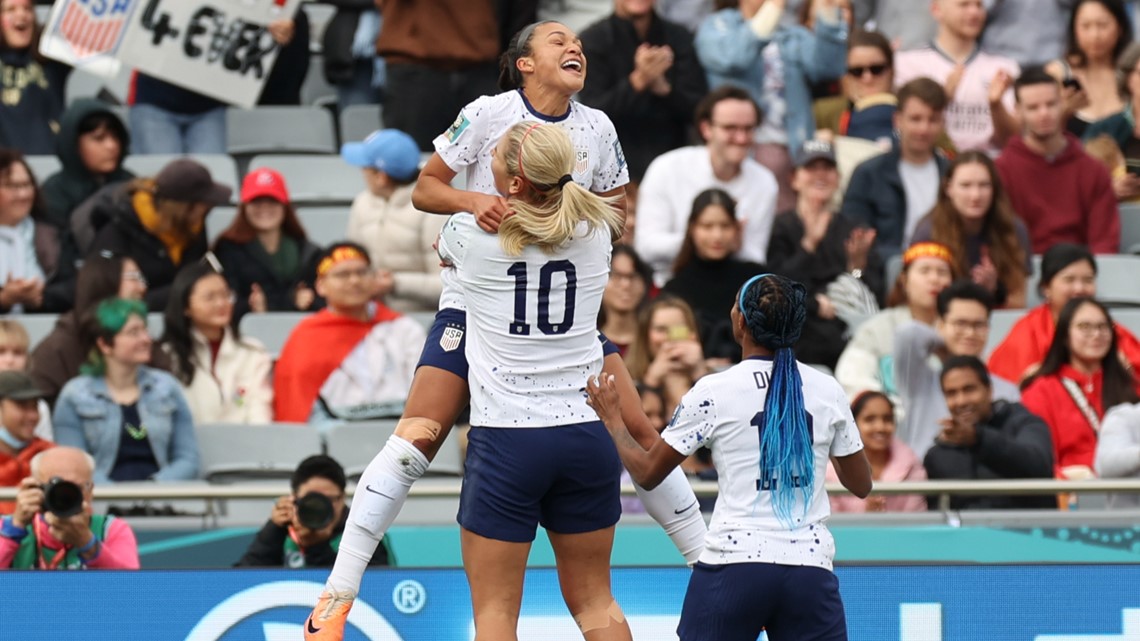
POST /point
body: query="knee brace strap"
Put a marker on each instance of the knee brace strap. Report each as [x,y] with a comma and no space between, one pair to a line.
[596,619]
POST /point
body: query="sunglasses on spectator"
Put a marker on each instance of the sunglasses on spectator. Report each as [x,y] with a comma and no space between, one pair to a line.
[857,72]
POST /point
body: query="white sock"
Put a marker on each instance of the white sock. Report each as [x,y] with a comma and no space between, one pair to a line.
[379,496]
[674,506]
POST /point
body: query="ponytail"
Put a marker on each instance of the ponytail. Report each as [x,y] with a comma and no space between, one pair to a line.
[547,213]
[774,312]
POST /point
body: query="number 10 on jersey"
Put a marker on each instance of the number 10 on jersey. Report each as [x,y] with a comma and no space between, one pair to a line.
[520,327]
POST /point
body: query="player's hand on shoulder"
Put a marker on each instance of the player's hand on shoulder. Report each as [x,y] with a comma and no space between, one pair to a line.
[489,211]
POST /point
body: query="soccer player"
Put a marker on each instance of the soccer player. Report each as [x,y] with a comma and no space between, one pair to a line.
[771,424]
[543,67]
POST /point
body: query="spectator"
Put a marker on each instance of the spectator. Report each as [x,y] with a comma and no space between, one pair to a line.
[1061,193]
[962,328]
[1104,150]
[19,420]
[1099,31]
[1030,32]
[1118,450]
[742,45]
[827,253]
[431,79]
[354,359]
[907,23]
[1081,377]
[974,219]
[14,343]
[892,192]
[706,276]
[626,293]
[385,222]
[291,66]
[867,363]
[133,419]
[645,75]
[225,376]
[1121,127]
[1067,272]
[160,222]
[305,527]
[265,254]
[34,276]
[666,354]
[56,359]
[867,107]
[32,85]
[976,82]
[41,535]
[348,53]
[891,460]
[92,145]
[987,440]
[167,119]
[727,119]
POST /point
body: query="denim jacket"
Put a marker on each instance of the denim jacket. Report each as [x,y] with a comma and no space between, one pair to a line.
[88,418]
[731,54]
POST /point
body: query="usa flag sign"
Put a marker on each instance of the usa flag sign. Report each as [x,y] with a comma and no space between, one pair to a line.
[80,30]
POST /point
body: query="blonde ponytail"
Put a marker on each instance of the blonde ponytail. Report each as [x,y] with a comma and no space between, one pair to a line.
[550,207]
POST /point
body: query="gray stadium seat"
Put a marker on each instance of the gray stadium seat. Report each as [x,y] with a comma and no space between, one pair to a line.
[316,90]
[357,121]
[217,222]
[892,270]
[1129,318]
[272,329]
[43,166]
[1032,296]
[280,130]
[248,452]
[315,180]
[37,325]
[324,225]
[1130,229]
[1001,321]
[222,167]
[1114,280]
[354,444]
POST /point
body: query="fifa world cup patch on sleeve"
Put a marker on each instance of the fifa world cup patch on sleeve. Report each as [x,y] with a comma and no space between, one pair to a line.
[451,338]
[456,129]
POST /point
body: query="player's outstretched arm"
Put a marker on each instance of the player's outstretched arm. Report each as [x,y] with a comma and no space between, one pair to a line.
[434,194]
[648,467]
[632,414]
[854,473]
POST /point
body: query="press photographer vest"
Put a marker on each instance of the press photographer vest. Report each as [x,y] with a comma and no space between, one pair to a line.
[27,555]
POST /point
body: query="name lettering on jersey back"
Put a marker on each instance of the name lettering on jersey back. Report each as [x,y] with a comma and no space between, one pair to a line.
[763,379]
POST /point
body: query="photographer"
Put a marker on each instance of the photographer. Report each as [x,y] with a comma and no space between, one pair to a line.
[53,527]
[304,529]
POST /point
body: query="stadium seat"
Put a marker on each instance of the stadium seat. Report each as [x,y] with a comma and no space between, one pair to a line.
[1129,318]
[38,326]
[249,452]
[1130,229]
[155,323]
[316,90]
[217,222]
[280,130]
[354,444]
[43,166]
[1001,321]
[1114,284]
[892,270]
[222,167]
[324,225]
[357,121]
[272,329]
[1032,295]
[315,180]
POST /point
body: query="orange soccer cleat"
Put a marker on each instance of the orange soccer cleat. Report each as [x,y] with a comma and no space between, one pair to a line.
[326,622]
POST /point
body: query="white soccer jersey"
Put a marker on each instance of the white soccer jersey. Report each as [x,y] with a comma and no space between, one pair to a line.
[532,340]
[466,147]
[724,412]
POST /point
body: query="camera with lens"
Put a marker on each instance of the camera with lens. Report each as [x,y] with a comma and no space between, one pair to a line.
[62,498]
[314,510]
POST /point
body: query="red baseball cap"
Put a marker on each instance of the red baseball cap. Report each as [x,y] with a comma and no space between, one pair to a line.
[264,182]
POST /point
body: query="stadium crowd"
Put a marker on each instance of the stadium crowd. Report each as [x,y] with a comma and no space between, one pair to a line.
[916,165]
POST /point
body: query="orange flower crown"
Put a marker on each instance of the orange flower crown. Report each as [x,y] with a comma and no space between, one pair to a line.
[927,250]
[339,255]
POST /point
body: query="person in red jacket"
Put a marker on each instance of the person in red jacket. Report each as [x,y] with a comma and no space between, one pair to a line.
[1067,271]
[1081,378]
[1062,193]
[19,415]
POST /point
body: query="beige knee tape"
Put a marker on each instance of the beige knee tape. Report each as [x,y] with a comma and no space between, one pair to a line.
[597,619]
[417,428]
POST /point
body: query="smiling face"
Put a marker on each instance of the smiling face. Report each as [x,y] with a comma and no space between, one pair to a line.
[556,59]
[963,18]
[876,421]
[867,73]
[1090,334]
[17,23]
[965,327]
[729,130]
[17,194]
[714,233]
[131,345]
[1095,30]
[347,286]
[20,418]
[971,190]
[625,289]
[264,214]
[817,180]
[1077,280]
[967,397]
[211,305]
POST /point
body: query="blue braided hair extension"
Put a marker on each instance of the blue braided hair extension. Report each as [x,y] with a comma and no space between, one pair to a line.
[774,312]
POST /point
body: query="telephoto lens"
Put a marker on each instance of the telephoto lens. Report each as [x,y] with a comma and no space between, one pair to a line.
[314,510]
[63,498]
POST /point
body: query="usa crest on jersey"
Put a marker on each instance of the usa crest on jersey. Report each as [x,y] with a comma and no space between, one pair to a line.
[451,338]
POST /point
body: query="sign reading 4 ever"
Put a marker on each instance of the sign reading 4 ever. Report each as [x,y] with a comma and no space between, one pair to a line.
[219,48]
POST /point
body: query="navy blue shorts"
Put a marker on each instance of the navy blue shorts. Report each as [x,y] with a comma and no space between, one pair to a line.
[733,602]
[567,478]
[446,346]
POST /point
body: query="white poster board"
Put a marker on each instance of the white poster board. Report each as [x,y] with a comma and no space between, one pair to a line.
[219,48]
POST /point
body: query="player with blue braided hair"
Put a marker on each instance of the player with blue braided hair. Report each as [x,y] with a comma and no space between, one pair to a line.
[771,423]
